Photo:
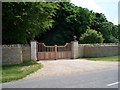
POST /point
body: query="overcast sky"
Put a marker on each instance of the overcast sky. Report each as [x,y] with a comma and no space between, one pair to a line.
[107,7]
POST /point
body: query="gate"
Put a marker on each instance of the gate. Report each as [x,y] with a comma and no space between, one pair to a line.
[54,52]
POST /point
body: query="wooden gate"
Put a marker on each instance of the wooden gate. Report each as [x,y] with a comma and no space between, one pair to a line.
[53,52]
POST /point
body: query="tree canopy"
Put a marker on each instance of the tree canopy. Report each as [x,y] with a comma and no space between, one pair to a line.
[69,20]
[52,23]
[24,21]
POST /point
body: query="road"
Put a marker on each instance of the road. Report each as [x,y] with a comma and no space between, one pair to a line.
[95,79]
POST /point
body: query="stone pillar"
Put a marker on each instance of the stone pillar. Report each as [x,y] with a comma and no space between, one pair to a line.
[33,50]
[75,48]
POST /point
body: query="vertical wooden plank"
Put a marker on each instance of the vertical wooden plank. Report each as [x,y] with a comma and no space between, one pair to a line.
[66,51]
[55,51]
[38,48]
[42,48]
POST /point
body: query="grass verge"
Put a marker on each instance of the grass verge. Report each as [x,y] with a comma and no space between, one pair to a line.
[15,72]
[110,58]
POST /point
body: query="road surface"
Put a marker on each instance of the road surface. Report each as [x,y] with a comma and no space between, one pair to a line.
[107,78]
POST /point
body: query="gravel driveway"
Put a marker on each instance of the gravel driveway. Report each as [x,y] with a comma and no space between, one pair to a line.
[69,66]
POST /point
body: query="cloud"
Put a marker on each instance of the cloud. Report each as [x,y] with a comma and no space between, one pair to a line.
[108,1]
[118,20]
[107,7]
[115,21]
[91,5]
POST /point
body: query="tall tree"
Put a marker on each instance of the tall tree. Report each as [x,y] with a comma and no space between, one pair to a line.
[69,20]
[108,29]
[119,32]
[23,21]
[98,19]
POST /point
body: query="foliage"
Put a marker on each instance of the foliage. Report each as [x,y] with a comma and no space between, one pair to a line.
[69,20]
[24,21]
[108,29]
[119,32]
[15,72]
[112,39]
[109,32]
[91,36]
[52,23]
[98,19]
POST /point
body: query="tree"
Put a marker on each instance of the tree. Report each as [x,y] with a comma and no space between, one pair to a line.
[114,36]
[23,21]
[119,33]
[109,32]
[91,36]
[98,19]
[69,20]
[52,23]
[108,29]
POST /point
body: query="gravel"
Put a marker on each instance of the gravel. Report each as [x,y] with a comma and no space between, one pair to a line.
[53,68]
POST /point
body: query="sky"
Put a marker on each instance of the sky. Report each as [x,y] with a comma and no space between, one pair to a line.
[108,7]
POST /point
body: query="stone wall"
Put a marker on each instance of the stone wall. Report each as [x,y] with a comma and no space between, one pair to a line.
[15,54]
[26,53]
[81,50]
[96,50]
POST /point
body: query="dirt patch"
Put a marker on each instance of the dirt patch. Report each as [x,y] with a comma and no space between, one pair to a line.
[67,66]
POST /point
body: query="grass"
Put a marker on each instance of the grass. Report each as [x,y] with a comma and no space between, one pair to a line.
[19,71]
[110,58]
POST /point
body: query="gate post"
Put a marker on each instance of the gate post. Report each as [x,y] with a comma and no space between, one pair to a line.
[55,52]
[75,48]
[33,50]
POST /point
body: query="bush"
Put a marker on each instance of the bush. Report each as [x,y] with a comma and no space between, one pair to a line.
[91,36]
[112,39]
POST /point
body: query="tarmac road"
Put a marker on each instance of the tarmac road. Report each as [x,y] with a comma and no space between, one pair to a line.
[107,78]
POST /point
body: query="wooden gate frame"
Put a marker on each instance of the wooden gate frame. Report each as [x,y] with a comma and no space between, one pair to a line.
[54,51]
[34,49]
